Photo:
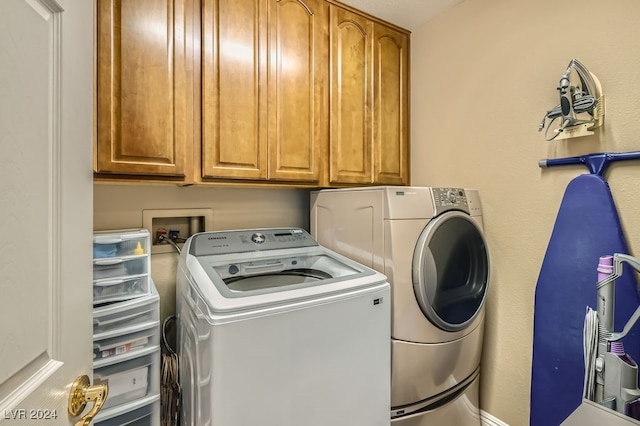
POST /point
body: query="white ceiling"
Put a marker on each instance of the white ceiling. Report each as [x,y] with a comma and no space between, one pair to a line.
[408,14]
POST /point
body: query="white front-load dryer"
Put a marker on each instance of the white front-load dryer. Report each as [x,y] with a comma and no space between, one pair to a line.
[429,242]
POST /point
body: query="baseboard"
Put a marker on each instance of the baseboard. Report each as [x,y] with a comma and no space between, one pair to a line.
[488,420]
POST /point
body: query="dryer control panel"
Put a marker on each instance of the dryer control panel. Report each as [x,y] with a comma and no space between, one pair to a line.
[449,199]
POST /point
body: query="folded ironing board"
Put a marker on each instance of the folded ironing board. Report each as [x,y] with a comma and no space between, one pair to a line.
[587,227]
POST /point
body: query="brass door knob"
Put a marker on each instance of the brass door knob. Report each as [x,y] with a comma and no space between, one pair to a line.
[81,393]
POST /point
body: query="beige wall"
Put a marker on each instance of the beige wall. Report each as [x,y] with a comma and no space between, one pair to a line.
[120,206]
[483,75]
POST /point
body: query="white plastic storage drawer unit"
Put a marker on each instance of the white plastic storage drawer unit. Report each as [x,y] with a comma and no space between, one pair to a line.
[126,348]
[121,265]
[128,339]
[112,317]
[142,412]
[130,377]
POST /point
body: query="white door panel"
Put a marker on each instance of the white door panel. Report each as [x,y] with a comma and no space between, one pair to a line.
[46,114]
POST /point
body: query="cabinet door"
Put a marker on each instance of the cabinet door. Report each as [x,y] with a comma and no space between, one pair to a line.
[145,87]
[234,89]
[391,106]
[298,74]
[351,97]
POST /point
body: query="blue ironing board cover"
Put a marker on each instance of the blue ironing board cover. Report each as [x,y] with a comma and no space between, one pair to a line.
[587,227]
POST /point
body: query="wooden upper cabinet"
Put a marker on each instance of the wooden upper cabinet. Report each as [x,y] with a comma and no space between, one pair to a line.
[368,101]
[390,106]
[234,89]
[298,76]
[145,87]
[299,92]
[263,75]
[350,99]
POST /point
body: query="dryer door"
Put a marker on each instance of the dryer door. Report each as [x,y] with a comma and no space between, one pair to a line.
[451,270]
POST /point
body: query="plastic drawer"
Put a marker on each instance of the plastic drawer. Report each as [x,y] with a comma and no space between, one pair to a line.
[116,315]
[143,412]
[125,340]
[119,243]
[130,376]
[120,267]
[119,289]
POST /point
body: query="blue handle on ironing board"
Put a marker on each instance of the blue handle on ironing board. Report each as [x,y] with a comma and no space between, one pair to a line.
[596,163]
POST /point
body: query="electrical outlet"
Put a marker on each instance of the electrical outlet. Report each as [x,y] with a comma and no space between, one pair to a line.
[176,224]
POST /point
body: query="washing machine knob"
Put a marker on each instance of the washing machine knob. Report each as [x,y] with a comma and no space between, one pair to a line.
[258,238]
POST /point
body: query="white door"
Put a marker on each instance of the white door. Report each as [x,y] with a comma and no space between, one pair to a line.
[46,115]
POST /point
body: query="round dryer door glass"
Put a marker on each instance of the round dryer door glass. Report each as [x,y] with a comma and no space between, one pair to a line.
[451,270]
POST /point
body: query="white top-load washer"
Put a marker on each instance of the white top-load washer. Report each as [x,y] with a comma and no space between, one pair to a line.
[276,330]
[429,242]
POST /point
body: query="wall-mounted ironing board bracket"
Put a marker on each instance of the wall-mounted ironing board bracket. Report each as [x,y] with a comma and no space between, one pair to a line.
[596,163]
[618,260]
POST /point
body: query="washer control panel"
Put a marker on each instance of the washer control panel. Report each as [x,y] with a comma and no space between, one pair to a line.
[224,242]
[449,199]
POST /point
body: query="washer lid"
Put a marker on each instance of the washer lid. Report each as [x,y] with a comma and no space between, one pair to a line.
[234,271]
[451,270]
[238,277]
[286,277]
